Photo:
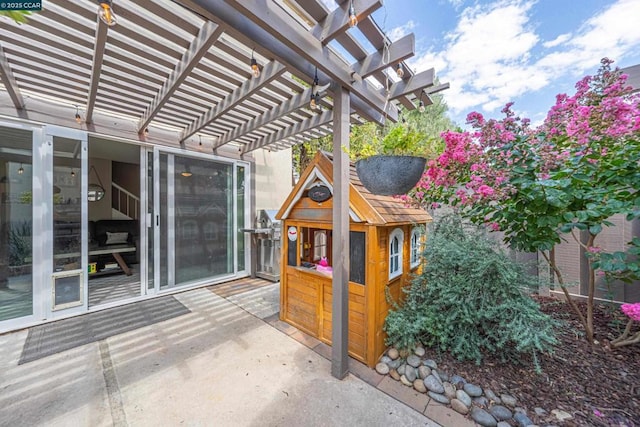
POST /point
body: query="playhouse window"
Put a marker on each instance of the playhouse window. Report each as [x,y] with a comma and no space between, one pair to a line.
[396,240]
[315,244]
[416,246]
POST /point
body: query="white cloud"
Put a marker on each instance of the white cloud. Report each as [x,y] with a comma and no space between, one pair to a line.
[399,32]
[456,3]
[494,55]
[614,33]
[485,57]
[557,41]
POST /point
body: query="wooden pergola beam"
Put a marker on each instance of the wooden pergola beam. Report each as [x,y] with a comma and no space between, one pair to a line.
[10,82]
[270,71]
[96,67]
[296,102]
[337,21]
[378,61]
[207,36]
[415,83]
[271,18]
[303,126]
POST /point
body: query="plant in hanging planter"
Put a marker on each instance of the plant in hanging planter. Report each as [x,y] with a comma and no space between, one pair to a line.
[396,164]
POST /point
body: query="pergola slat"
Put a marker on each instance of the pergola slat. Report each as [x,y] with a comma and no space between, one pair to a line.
[317,120]
[285,108]
[209,33]
[270,72]
[10,82]
[337,21]
[396,52]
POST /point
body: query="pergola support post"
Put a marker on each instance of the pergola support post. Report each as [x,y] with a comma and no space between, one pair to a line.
[340,280]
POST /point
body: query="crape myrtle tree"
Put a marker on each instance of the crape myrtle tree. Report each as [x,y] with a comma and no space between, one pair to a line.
[565,178]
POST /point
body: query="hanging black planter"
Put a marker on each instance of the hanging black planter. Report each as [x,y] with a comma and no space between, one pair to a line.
[390,175]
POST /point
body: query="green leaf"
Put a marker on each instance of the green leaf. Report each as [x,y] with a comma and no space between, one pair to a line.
[595,229]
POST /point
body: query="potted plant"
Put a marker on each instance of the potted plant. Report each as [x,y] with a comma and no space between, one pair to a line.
[396,166]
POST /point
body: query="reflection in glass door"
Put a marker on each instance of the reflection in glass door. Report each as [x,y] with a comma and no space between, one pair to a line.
[195,222]
[16,223]
[67,222]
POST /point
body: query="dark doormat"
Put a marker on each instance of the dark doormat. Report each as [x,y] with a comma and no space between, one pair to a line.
[62,335]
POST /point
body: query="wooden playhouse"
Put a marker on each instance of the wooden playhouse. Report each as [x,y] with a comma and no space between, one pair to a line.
[385,241]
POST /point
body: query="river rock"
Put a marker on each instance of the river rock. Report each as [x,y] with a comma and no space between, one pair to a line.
[457,381]
[394,374]
[492,396]
[500,413]
[405,381]
[463,397]
[418,384]
[508,400]
[382,368]
[481,401]
[473,390]
[449,390]
[419,351]
[503,424]
[435,374]
[522,419]
[459,407]
[424,371]
[413,360]
[393,353]
[443,375]
[561,415]
[430,363]
[402,368]
[483,418]
[395,364]
[410,373]
[440,398]
[385,359]
[433,385]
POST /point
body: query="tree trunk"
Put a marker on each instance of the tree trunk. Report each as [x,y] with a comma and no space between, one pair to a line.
[551,259]
[592,291]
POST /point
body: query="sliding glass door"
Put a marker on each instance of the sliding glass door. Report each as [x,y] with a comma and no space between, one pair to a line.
[199,207]
[16,223]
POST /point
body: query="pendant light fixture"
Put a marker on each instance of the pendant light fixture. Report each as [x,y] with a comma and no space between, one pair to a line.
[315,96]
[106,13]
[400,70]
[78,116]
[200,140]
[421,106]
[353,19]
[255,68]
[21,170]
[73,173]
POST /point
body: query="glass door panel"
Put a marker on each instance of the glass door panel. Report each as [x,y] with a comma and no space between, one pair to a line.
[196,219]
[67,223]
[16,223]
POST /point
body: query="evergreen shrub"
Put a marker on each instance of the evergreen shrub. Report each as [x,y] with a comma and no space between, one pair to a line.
[470,299]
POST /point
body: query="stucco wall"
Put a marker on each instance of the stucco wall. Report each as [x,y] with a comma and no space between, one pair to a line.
[273,181]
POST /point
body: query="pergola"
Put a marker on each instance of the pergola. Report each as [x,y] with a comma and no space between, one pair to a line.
[176,73]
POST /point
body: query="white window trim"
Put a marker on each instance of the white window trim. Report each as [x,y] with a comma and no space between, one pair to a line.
[399,234]
[416,246]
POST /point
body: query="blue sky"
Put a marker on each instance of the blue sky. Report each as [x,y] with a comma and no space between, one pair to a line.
[494,52]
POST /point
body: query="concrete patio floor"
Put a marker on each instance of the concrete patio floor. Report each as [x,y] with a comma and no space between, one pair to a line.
[230,362]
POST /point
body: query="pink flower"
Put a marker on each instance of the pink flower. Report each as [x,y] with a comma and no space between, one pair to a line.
[485,190]
[594,249]
[631,310]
